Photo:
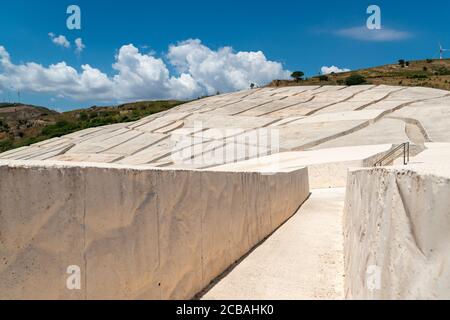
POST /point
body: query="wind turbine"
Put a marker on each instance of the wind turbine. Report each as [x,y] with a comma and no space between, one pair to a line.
[442,50]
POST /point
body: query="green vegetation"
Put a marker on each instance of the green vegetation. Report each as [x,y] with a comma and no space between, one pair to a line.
[442,71]
[418,76]
[3,125]
[22,125]
[355,79]
[60,128]
[6,145]
[297,75]
[429,73]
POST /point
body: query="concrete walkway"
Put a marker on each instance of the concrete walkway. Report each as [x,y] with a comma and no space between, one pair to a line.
[301,260]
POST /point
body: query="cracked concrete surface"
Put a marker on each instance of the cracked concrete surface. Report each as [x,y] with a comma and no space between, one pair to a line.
[157,193]
[306,117]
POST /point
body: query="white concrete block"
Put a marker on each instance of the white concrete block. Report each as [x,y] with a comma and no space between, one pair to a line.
[135,232]
[396,223]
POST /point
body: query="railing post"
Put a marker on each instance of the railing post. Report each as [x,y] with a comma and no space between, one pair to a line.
[408,151]
[404,154]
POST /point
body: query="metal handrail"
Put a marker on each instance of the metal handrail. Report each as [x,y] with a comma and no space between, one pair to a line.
[404,146]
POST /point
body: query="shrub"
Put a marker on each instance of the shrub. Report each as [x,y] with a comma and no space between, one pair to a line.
[6,145]
[83,116]
[418,76]
[59,129]
[3,126]
[297,75]
[323,78]
[354,80]
[429,60]
[442,71]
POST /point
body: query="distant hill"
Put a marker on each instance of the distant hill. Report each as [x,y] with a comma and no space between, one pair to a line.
[22,125]
[423,73]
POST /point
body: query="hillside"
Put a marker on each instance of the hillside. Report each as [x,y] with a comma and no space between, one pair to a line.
[22,125]
[423,73]
[305,118]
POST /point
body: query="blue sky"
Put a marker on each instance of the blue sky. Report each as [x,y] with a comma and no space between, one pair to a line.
[298,35]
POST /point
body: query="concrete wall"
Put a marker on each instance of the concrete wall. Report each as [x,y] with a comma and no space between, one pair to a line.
[327,168]
[396,228]
[136,233]
[334,174]
[331,175]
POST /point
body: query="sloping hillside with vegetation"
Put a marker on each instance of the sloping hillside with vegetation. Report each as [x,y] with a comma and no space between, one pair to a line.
[424,73]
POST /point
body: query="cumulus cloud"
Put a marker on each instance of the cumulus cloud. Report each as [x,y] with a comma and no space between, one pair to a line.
[223,70]
[59,40]
[333,69]
[139,76]
[364,34]
[79,45]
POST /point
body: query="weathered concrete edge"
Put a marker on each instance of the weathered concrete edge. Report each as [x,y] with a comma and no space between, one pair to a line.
[71,164]
[86,218]
[396,238]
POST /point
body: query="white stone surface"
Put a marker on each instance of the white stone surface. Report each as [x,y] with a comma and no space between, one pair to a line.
[135,232]
[384,131]
[396,223]
[302,260]
[327,168]
[314,117]
[106,189]
[340,116]
[435,153]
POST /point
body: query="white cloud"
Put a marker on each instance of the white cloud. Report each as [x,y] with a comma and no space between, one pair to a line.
[333,69]
[140,76]
[59,40]
[365,34]
[223,70]
[79,45]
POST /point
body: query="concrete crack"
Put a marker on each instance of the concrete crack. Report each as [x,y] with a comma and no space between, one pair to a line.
[379,100]
[409,218]
[335,103]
